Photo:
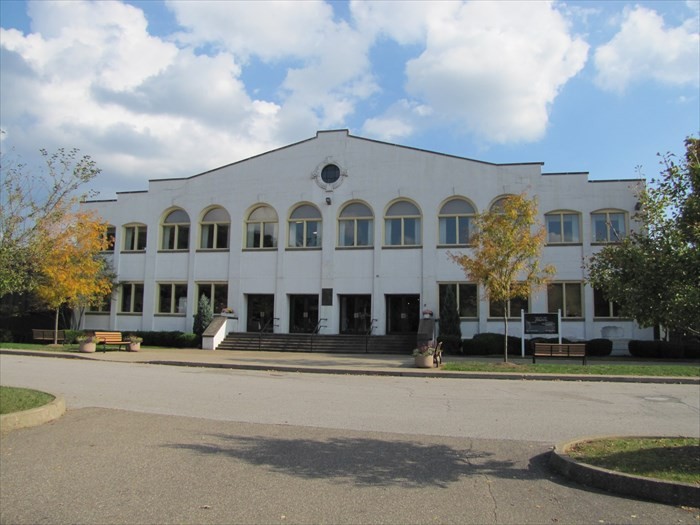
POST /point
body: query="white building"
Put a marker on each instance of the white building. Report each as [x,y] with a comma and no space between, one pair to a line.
[348,234]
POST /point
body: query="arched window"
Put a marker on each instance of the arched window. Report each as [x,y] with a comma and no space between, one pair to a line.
[455,221]
[261,228]
[497,206]
[356,225]
[402,225]
[215,228]
[609,226]
[176,231]
[563,227]
[305,227]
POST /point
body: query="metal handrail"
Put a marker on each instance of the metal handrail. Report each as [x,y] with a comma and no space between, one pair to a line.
[263,328]
[368,334]
[319,326]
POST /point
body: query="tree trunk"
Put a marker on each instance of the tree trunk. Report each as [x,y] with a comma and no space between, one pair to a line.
[505,332]
[55,328]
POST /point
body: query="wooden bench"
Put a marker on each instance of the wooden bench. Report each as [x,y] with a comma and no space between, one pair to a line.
[111,339]
[47,335]
[560,350]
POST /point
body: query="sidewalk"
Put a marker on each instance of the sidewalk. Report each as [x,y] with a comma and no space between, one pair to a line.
[320,363]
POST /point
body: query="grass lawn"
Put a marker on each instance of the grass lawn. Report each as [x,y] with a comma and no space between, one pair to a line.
[17,399]
[61,347]
[671,459]
[619,369]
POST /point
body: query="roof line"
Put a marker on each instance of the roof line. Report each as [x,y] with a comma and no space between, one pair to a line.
[347,132]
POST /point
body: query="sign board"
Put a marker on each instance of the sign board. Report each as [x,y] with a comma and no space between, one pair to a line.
[541,323]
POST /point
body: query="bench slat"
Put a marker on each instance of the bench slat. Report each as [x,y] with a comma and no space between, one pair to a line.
[559,350]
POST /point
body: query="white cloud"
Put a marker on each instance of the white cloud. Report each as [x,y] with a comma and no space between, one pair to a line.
[645,49]
[496,67]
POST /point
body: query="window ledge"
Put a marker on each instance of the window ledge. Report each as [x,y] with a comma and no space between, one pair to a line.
[212,250]
[403,247]
[266,249]
[174,251]
[448,246]
[163,314]
[133,251]
[97,313]
[303,248]
[555,244]
[354,247]
[132,314]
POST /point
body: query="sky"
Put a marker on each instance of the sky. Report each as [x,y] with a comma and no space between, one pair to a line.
[170,88]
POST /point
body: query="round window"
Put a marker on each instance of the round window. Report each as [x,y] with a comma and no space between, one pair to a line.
[330,173]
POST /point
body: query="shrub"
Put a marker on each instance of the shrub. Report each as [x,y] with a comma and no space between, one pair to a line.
[492,344]
[662,349]
[5,335]
[451,344]
[71,336]
[470,347]
[203,316]
[691,349]
[599,347]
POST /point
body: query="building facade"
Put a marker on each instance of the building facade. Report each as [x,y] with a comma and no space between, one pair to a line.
[343,234]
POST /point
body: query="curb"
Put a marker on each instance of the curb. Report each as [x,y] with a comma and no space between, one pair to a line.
[34,416]
[662,491]
[399,372]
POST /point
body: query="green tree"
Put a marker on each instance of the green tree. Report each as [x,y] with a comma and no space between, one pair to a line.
[654,273]
[505,255]
[203,317]
[33,203]
[450,329]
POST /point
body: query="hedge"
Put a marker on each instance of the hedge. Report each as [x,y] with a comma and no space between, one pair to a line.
[492,344]
[664,349]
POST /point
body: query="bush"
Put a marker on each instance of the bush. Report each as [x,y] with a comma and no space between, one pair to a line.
[599,347]
[492,344]
[5,335]
[659,349]
[168,339]
[691,349]
[470,347]
[71,336]
[451,344]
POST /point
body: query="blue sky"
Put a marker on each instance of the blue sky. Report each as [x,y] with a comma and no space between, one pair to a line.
[154,89]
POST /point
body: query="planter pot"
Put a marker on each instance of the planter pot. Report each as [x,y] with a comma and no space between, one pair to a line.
[134,347]
[424,361]
[88,347]
[427,316]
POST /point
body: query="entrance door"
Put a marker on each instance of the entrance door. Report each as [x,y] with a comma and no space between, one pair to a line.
[303,313]
[261,310]
[402,314]
[355,314]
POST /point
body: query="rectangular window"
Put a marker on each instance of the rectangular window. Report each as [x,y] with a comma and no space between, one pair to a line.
[602,307]
[454,230]
[134,238]
[465,296]
[608,226]
[566,297]
[563,228]
[221,236]
[172,298]
[514,306]
[131,298]
[111,235]
[103,306]
[217,293]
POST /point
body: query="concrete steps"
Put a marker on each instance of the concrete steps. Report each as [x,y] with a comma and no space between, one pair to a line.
[342,343]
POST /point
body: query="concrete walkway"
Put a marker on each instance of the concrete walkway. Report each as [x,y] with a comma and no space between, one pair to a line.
[362,364]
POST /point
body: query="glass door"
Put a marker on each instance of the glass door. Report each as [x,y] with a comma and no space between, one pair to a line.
[261,310]
[402,314]
[355,314]
[303,313]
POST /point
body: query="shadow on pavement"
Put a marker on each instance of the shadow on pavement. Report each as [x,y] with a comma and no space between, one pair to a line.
[363,461]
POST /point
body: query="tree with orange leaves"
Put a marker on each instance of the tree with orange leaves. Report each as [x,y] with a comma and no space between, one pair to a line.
[73,272]
[505,252]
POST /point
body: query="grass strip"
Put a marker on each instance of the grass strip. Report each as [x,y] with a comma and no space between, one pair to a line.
[547,368]
[14,399]
[671,459]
